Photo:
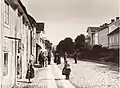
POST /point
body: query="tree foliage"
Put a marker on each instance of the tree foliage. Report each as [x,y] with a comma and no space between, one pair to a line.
[79,43]
[66,45]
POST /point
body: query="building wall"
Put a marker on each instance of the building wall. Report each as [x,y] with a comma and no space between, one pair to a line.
[0,42]
[96,38]
[114,25]
[15,29]
[114,41]
[114,38]
[33,45]
[103,38]
[8,48]
[24,57]
[91,38]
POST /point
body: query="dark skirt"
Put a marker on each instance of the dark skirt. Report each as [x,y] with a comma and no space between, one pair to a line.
[30,73]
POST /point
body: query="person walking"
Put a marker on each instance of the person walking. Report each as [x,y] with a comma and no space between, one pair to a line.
[30,71]
[75,57]
[55,57]
[43,59]
[58,59]
[49,58]
[40,59]
[65,57]
[66,70]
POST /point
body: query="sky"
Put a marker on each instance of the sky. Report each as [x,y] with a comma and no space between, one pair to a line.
[70,18]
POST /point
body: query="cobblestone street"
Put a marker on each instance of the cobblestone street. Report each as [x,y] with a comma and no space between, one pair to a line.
[93,75]
[84,75]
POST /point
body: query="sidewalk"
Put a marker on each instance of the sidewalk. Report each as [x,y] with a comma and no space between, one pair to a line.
[46,77]
[39,81]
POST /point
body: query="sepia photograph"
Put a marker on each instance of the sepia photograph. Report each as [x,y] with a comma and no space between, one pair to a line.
[59,43]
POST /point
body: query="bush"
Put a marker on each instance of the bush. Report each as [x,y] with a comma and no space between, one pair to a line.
[97,48]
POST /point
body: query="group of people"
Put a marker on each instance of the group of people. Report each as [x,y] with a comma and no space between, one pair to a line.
[43,59]
[43,62]
[57,58]
[66,69]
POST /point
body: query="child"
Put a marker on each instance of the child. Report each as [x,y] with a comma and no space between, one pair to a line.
[66,70]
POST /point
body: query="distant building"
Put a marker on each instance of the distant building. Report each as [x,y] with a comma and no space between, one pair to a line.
[96,38]
[114,34]
[91,34]
[103,35]
[106,35]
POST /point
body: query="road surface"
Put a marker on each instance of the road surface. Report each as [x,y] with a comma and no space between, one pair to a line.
[84,75]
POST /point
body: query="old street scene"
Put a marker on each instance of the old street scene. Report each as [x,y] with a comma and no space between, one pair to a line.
[59,43]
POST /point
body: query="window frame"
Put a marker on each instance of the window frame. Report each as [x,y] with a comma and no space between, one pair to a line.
[5,71]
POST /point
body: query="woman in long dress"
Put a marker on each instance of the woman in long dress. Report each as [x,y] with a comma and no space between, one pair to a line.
[30,71]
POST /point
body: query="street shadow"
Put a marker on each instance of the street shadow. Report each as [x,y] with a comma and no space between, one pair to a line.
[59,79]
[22,81]
[52,79]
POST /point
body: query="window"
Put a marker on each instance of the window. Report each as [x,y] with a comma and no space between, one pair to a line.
[6,20]
[5,72]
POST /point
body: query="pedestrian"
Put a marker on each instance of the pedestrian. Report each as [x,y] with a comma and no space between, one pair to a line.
[75,57]
[66,70]
[65,57]
[49,58]
[40,58]
[55,57]
[30,71]
[58,59]
[43,59]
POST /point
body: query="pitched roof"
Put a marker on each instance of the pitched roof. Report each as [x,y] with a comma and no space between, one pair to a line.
[93,29]
[114,31]
[103,26]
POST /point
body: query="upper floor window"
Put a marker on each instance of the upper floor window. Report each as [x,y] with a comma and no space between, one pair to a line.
[6,20]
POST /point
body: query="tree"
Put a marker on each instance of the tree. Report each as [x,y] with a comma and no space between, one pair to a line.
[65,45]
[79,43]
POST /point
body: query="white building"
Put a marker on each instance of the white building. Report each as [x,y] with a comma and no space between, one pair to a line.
[15,42]
[114,34]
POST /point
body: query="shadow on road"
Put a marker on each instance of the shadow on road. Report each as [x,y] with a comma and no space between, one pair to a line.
[22,81]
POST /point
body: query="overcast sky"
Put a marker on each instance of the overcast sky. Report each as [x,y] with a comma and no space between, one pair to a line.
[69,18]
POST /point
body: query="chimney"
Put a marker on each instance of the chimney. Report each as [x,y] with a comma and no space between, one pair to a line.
[112,20]
[117,18]
[100,25]
[105,24]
